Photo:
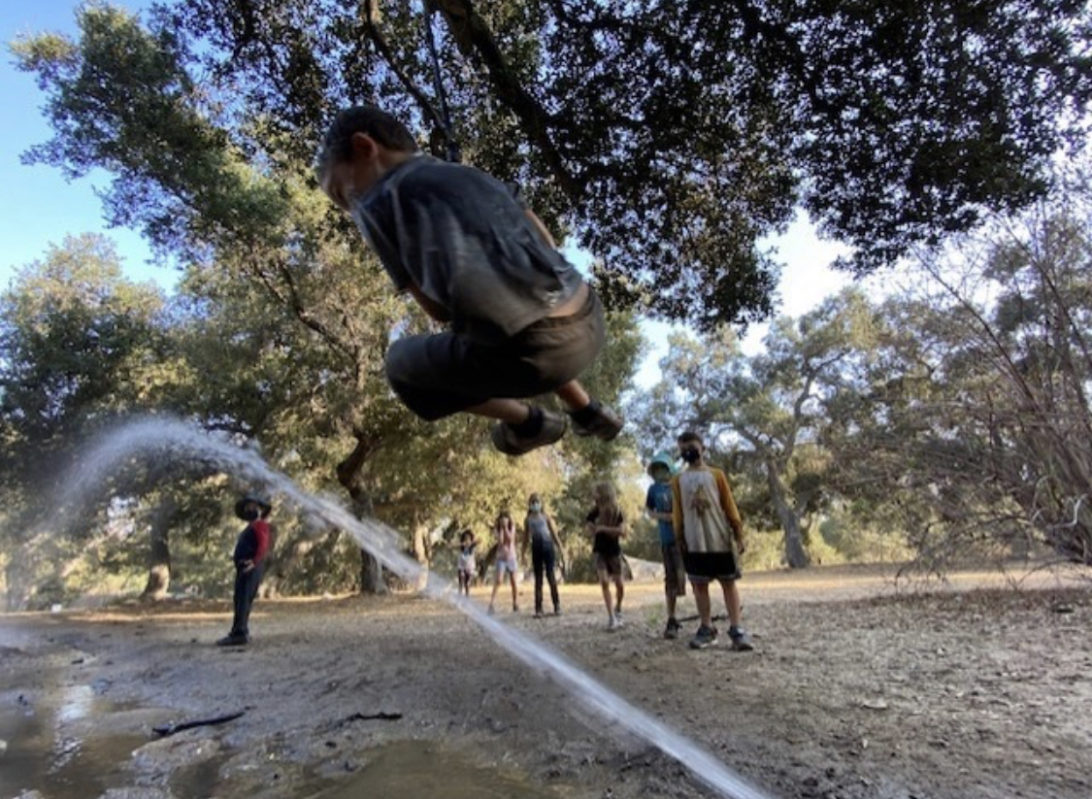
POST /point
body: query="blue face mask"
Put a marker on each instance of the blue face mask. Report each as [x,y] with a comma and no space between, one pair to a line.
[536,507]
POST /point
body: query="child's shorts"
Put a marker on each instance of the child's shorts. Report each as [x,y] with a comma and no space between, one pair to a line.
[608,564]
[509,565]
[674,572]
[436,376]
[704,567]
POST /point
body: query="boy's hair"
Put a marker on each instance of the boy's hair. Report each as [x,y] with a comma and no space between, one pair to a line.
[690,437]
[606,497]
[465,534]
[384,128]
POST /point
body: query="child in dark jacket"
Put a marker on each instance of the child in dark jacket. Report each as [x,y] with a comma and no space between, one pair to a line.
[249,557]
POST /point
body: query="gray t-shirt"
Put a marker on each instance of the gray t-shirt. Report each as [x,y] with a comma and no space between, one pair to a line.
[463,239]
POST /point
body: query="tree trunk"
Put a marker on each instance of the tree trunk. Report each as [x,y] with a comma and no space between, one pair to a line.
[349,474]
[795,554]
[421,552]
[159,552]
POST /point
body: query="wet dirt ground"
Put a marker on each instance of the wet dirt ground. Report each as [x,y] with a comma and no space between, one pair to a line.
[858,688]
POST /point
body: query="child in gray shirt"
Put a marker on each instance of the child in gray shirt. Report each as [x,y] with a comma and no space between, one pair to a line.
[522,320]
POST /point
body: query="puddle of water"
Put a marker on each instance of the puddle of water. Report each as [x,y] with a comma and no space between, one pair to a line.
[424,769]
[60,766]
[200,780]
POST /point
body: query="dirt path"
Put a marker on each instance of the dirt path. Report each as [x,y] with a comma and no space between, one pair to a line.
[857,689]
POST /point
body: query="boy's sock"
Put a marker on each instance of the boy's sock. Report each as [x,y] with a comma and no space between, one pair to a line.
[587,414]
[532,425]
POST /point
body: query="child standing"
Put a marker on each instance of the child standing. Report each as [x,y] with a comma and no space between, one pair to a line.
[539,528]
[506,563]
[608,526]
[467,544]
[709,531]
[249,558]
[523,321]
[658,504]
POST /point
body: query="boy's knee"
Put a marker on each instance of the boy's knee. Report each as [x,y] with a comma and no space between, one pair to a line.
[397,363]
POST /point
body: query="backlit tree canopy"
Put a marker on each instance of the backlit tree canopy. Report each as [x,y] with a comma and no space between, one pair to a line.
[669,136]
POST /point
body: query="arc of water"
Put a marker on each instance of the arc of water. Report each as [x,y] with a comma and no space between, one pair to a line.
[146,435]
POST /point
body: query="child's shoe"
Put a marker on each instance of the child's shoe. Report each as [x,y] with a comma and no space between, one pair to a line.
[614,623]
[596,420]
[508,440]
[705,636]
[671,631]
[741,641]
[234,639]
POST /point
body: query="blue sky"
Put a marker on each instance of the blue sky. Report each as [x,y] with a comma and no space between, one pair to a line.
[39,207]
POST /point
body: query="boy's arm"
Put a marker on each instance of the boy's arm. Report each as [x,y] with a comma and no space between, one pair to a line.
[617,530]
[553,531]
[728,504]
[431,307]
[650,509]
[524,537]
[676,514]
[540,226]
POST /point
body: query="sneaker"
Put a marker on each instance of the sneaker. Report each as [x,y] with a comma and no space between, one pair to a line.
[671,631]
[234,639]
[618,614]
[604,425]
[508,441]
[557,610]
[741,641]
[614,623]
[705,636]
[538,614]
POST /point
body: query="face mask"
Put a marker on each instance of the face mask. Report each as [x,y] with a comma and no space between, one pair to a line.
[536,507]
[691,454]
[251,514]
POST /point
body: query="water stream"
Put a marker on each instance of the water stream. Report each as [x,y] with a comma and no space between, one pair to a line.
[154,435]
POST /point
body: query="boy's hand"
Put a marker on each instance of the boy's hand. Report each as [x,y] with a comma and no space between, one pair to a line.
[741,547]
[248,566]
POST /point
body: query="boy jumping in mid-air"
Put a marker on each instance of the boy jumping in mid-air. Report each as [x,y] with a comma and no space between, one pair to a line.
[523,322]
[709,531]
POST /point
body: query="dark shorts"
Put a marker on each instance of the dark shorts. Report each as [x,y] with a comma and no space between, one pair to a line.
[674,572]
[438,375]
[704,567]
[610,565]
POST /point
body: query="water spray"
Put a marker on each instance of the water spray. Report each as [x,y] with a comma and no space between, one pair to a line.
[144,436]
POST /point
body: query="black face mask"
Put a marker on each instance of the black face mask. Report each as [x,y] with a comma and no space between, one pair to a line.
[691,455]
[251,514]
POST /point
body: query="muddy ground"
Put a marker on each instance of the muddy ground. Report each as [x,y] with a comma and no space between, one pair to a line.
[857,688]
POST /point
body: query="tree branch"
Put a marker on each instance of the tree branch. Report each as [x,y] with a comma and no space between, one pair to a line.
[476,41]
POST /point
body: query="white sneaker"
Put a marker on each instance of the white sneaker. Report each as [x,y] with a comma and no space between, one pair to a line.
[614,623]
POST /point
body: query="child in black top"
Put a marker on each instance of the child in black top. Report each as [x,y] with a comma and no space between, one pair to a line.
[523,321]
[608,526]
